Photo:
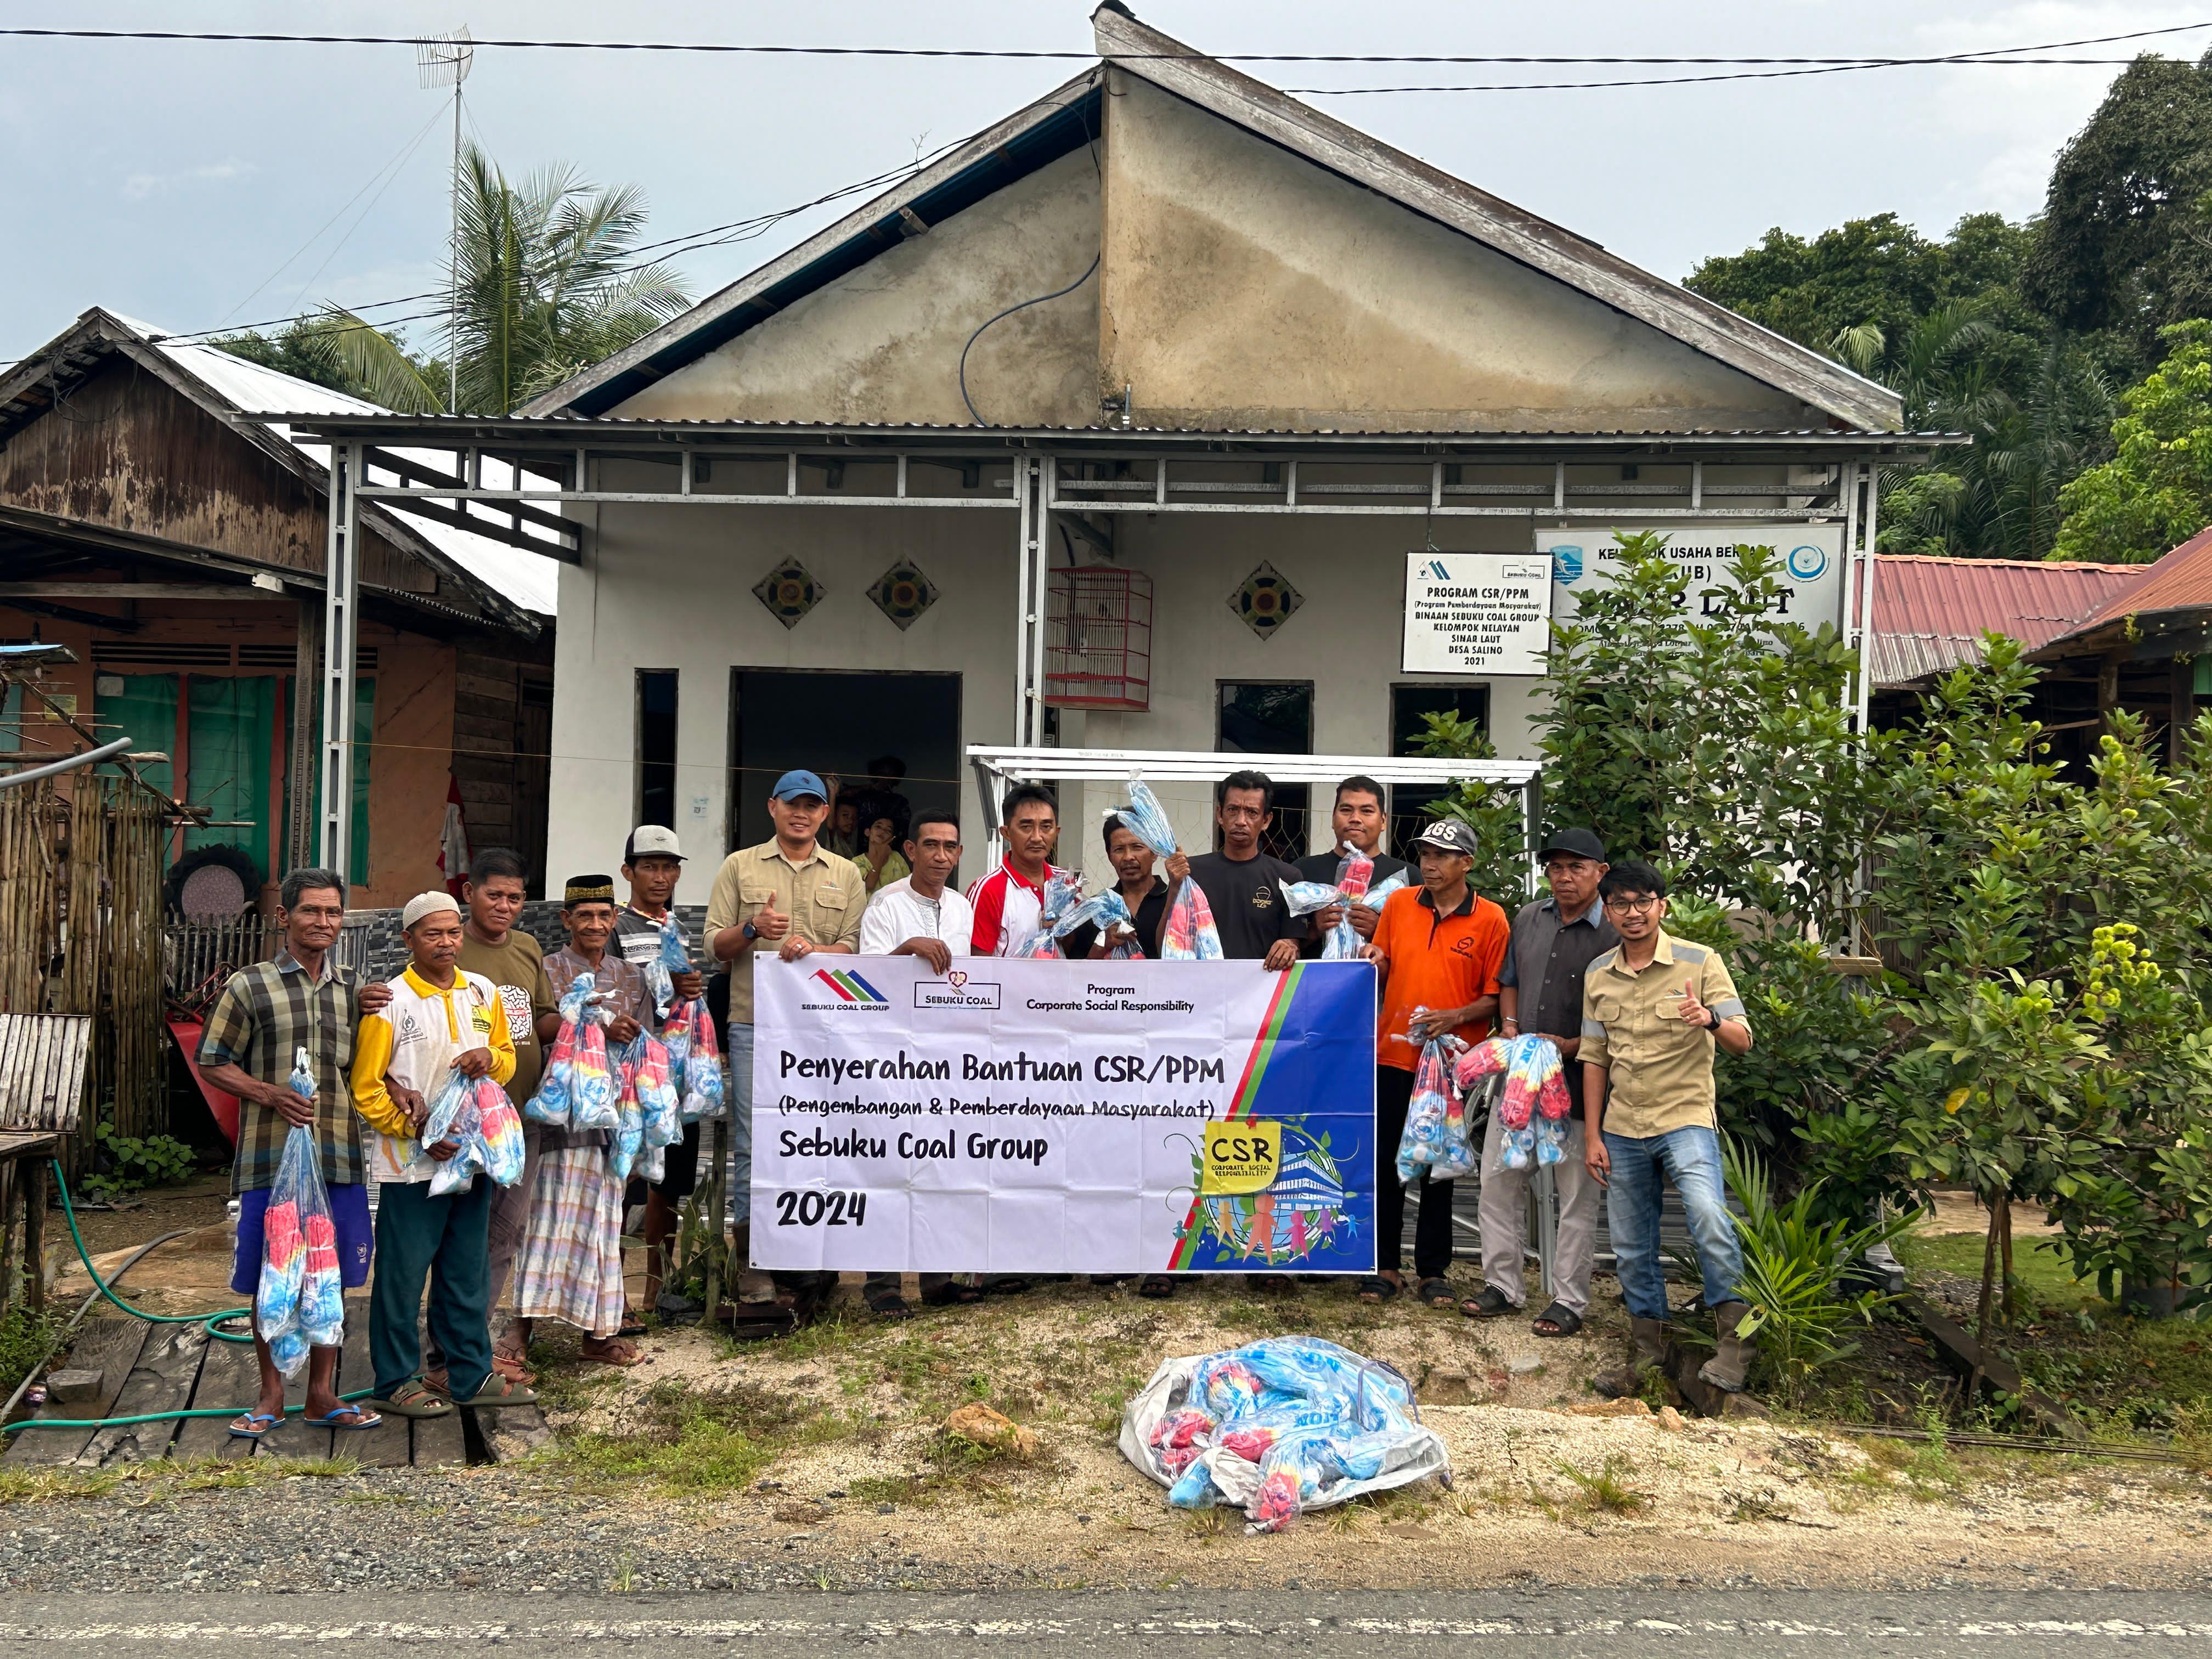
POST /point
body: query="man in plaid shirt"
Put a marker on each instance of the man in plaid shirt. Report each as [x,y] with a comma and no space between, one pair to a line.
[300,1000]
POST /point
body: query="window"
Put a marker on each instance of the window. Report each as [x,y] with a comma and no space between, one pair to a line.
[656,746]
[1272,717]
[1409,803]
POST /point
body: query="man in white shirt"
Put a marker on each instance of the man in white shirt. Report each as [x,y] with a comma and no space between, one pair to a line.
[919,915]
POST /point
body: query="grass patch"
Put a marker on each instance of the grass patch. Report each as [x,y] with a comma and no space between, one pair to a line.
[692,1441]
[1606,1491]
[25,1339]
[146,1482]
[2043,1273]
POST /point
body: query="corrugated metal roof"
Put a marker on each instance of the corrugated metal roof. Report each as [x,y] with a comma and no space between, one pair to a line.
[1930,614]
[2182,580]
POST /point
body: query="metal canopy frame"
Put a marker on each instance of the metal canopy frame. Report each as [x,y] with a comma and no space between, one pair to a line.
[998,768]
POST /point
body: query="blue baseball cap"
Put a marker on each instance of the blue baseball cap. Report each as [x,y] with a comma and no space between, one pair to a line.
[793,785]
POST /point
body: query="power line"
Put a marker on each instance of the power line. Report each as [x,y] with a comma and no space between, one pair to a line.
[1995,54]
[1741,75]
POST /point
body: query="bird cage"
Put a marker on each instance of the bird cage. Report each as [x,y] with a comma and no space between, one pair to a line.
[1098,638]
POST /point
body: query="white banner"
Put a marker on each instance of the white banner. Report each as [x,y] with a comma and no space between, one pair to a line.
[1476,613]
[1050,1116]
[1812,575]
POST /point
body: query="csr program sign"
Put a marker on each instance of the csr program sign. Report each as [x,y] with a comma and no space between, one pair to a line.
[1811,576]
[1049,1116]
[1476,613]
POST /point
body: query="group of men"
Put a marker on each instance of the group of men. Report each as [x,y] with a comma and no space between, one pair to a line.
[1590,967]
[1636,1013]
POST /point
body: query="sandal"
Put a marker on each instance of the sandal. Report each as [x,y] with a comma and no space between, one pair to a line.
[268,1419]
[889,1305]
[1491,1303]
[1158,1287]
[1563,1320]
[631,1324]
[510,1365]
[952,1296]
[1271,1282]
[1377,1290]
[1438,1293]
[497,1391]
[362,1421]
[414,1398]
[600,1350]
[1012,1285]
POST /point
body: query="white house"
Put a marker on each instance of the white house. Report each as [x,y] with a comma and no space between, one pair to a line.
[1113,430]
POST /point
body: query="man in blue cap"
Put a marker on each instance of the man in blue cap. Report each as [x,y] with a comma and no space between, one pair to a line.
[794,896]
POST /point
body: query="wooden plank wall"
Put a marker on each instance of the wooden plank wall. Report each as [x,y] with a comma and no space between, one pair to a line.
[498,760]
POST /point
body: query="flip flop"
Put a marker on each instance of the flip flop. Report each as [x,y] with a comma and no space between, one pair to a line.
[1563,1320]
[612,1352]
[363,1421]
[952,1296]
[496,1392]
[237,1433]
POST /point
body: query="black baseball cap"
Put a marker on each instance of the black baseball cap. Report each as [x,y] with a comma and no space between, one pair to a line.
[1578,844]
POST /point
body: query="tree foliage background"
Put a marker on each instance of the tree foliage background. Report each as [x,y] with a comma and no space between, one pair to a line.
[2045,341]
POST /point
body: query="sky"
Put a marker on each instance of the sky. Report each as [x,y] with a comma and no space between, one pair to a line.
[200,185]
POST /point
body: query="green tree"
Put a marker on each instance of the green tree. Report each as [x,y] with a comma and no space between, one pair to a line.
[1492,811]
[549,283]
[303,351]
[2123,243]
[2156,491]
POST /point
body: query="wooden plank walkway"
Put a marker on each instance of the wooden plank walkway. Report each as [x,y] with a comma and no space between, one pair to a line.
[147,1369]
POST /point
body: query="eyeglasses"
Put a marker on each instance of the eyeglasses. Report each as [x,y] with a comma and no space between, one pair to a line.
[1640,906]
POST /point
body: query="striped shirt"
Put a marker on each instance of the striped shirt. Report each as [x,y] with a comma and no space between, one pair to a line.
[265,1014]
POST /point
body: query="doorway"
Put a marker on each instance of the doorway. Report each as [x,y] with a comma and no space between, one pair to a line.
[893,736]
[1409,704]
[1272,717]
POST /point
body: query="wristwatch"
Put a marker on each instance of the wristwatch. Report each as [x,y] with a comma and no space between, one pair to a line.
[1712,1020]
[750,932]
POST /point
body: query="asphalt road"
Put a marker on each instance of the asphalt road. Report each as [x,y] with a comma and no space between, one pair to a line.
[1683,1624]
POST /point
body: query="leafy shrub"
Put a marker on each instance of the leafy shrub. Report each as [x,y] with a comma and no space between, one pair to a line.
[135,1162]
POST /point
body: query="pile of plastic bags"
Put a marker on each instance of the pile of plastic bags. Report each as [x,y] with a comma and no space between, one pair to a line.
[1277,1427]
[474,1112]
[1355,884]
[1063,898]
[579,1089]
[1534,1112]
[300,1301]
[1436,1134]
[1189,934]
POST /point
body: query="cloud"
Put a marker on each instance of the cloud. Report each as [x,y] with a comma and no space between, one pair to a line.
[139,185]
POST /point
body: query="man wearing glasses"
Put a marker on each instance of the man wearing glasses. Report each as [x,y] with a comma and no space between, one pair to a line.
[1653,1010]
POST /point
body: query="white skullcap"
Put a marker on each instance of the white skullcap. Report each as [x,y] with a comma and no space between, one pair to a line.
[426,904]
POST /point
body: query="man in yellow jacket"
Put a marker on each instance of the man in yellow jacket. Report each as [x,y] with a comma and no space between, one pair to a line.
[439,1020]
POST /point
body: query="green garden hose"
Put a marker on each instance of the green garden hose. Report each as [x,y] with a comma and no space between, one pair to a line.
[211,1321]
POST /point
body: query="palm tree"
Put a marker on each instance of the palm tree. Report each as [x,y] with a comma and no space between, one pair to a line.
[1998,499]
[548,285]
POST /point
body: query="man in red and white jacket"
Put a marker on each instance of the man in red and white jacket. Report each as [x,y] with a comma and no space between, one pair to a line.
[1009,902]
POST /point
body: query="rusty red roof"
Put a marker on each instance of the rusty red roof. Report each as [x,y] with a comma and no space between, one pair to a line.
[1930,614]
[2182,580]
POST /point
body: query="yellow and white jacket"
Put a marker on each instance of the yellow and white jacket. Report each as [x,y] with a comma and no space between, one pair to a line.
[413,1040]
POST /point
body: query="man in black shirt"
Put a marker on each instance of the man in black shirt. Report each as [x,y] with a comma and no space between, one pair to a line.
[1359,816]
[1242,885]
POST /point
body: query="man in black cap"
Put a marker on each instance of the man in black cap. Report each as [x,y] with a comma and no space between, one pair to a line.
[1554,941]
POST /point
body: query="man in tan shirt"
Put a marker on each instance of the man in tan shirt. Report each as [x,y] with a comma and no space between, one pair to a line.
[1654,1009]
[792,896]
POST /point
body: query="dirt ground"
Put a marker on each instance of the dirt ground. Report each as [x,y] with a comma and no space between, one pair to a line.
[821,1458]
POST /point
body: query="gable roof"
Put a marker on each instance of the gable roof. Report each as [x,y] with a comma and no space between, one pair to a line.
[2181,580]
[1054,125]
[1930,614]
[508,586]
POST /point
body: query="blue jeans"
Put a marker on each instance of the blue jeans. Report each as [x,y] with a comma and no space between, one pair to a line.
[1691,1158]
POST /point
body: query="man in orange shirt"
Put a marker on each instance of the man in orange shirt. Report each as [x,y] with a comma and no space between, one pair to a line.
[1437,947]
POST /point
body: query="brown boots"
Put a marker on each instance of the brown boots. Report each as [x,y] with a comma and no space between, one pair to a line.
[1728,1368]
[1648,1353]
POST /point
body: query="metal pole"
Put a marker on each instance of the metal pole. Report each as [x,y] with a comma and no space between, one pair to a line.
[1040,590]
[454,273]
[1852,621]
[1543,1193]
[1022,739]
[1869,528]
[341,631]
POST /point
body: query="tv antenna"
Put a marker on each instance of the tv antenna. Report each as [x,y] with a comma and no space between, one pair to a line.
[443,60]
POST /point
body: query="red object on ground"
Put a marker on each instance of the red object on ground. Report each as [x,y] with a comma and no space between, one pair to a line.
[223,1106]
